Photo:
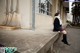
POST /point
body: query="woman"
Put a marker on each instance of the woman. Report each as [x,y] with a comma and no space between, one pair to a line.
[58,27]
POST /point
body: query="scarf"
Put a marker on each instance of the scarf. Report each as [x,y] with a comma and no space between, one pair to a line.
[59,19]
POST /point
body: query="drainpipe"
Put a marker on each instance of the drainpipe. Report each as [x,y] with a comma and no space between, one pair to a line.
[33,14]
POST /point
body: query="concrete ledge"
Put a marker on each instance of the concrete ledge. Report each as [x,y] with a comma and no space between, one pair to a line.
[28,41]
[47,48]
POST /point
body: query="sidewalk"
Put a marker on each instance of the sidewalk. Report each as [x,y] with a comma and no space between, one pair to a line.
[74,40]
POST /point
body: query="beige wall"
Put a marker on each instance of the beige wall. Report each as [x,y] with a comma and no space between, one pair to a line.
[55,7]
[21,19]
[63,15]
[24,17]
[25,10]
[59,6]
[43,21]
[2,11]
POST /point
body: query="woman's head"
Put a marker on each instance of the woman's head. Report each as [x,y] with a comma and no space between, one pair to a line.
[57,14]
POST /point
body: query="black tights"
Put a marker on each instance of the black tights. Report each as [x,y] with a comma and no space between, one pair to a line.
[64,40]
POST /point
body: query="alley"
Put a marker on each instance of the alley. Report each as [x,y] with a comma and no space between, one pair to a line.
[74,40]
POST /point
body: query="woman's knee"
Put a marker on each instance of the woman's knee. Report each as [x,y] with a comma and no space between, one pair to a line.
[64,32]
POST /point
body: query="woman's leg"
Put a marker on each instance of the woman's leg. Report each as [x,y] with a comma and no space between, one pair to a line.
[65,37]
[64,32]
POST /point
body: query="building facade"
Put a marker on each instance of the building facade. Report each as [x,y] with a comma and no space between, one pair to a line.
[31,14]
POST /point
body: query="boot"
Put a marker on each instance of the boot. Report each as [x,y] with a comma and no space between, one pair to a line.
[65,39]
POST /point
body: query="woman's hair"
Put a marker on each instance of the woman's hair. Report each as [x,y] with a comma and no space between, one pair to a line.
[56,14]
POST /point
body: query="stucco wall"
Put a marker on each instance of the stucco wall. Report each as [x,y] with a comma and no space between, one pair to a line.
[25,14]
[44,21]
[25,10]
[2,11]
[22,18]
[55,7]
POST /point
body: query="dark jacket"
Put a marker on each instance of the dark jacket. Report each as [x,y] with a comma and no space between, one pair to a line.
[57,26]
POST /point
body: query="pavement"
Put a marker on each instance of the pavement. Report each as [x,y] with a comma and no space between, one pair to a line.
[73,39]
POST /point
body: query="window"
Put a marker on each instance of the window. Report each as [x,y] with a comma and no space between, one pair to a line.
[45,6]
